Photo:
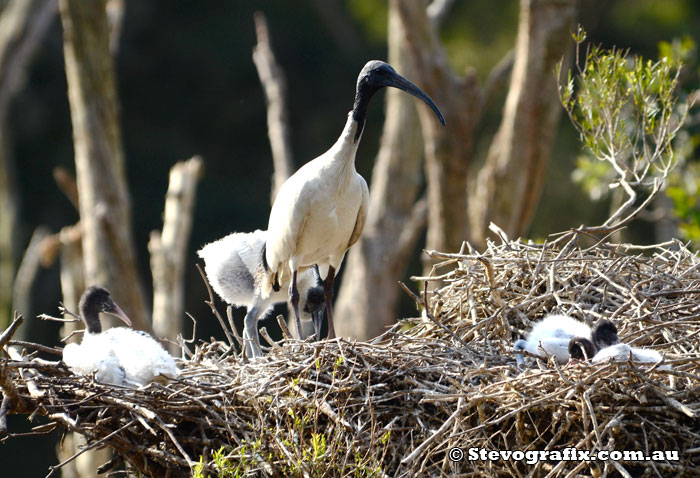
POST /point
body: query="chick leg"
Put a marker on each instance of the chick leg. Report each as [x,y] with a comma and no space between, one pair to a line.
[250,332]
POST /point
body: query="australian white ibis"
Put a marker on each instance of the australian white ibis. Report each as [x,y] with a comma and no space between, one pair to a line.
[119,356]
[320,211]
[551,337]
[232,265]
[603,334]
[606,347]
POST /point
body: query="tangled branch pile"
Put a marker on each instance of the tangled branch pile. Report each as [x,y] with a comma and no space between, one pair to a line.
[397,405]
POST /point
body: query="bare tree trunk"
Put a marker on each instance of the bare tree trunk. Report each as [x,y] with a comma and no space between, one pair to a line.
[8,228]
[108,249]
[510,183]
[448,150]
[72,286]
[169,251]
[72,274]
[26,274]
[275,87]
[22,25]
[368,295]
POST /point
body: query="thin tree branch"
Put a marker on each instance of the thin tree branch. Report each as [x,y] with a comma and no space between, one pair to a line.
[275,88]
[169,249]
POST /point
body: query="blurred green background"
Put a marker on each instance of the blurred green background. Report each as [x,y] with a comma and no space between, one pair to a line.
[187,85]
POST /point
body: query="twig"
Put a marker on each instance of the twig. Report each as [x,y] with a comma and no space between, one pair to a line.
[31,345]
[10,331]
[234,330]
[211,305]
[90,446]
[447,424]
[283,327]
[56,319]
[274,86]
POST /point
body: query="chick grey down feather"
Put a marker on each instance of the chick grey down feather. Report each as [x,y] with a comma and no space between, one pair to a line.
[233,265]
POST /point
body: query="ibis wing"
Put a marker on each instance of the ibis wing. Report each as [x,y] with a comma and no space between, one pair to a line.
[287,219]
[361,214]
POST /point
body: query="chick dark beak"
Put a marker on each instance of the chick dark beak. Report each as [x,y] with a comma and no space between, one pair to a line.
[117,312]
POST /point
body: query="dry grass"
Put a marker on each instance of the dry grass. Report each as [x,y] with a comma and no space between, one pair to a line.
[395,406]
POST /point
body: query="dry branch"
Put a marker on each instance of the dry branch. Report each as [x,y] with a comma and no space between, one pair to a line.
[275,87]
[105,215]
[509,185]
[168,249]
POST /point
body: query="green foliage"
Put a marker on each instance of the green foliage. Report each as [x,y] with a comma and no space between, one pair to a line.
[629,117]
[372,15]
[624,110]
[684,192]
[681,50]
[228,464]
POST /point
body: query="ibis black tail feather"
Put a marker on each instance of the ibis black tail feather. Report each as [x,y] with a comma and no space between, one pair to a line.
[266,268]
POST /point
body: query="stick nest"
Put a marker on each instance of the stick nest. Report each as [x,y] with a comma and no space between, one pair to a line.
[396,406]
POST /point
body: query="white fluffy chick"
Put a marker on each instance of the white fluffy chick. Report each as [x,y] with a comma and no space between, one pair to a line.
[551,336]
[118,356]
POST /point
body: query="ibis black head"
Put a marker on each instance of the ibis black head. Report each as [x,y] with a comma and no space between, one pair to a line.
[580,348]
[94,300]
[604,334]
[376,75]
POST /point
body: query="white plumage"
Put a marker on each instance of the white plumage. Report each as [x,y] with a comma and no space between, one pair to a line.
[119,356]
[624,353]
[551,336]
[91,357]
[232,265]
[320,211]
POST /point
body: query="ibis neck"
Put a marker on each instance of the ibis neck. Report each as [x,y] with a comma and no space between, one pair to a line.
[346,145]
[363,94]
[341,156]
[92,321]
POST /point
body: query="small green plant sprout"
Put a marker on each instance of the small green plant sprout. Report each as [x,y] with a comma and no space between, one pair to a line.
[228,464]
[386,437]
[198,470]
[628,113]
[318,447]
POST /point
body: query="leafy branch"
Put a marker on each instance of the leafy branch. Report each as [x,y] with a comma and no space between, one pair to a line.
[628,114]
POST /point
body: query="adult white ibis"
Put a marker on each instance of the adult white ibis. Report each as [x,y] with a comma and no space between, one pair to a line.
[320,211]
[232,264]
[119,356]
[551,337]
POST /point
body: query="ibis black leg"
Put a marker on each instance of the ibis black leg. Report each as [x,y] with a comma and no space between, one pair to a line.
[328,297]
[294,299]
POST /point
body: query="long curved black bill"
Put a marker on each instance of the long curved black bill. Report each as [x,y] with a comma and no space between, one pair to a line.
[317,317]
[403,84]
[120,314]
